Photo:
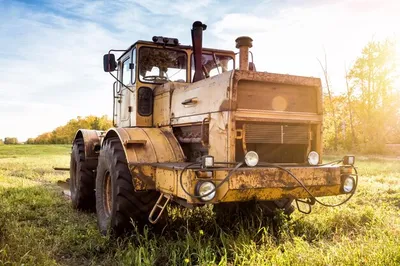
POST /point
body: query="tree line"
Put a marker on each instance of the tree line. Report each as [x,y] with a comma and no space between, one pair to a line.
[9,140]
[66,133]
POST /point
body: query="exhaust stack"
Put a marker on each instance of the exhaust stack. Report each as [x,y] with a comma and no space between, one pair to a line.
[243,44]
[197,41]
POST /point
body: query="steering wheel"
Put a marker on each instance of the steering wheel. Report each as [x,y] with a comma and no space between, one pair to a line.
[154,78]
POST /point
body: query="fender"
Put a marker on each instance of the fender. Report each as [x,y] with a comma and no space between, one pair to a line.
[145,146]
[148,145]
[92,141]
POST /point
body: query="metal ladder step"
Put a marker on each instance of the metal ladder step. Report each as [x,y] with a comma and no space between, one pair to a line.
[160,206]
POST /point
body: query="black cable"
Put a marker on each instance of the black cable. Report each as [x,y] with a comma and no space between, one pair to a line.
[121,82]
[216,187]
[306,189]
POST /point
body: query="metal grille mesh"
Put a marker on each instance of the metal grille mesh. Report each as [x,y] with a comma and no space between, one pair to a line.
[276,134]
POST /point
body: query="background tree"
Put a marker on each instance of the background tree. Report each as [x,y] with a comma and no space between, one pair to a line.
[65,134]
[366,115]
[349,95]
[331,111]
[377,106]
[10,140]
[30,141]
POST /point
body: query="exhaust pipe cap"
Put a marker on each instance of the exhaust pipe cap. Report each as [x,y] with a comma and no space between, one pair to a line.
[198,24]
[243,41]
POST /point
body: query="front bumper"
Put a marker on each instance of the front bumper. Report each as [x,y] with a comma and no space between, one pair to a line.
[273,184]
[252,183]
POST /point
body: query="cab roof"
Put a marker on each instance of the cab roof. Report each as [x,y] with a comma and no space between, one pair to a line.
[175,46]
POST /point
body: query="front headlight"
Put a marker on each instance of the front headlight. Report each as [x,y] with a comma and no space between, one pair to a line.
[313,158]
[251,158]
[203,188]
[348,184]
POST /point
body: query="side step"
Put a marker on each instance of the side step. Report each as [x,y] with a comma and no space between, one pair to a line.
[160,205]
[307,202]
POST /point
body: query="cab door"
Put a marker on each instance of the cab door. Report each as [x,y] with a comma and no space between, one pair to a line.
[126,96]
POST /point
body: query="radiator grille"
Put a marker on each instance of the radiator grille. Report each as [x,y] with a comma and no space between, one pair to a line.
[276,134]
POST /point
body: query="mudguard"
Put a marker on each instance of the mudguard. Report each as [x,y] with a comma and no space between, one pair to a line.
[92,140]
[144,147]
[148,145]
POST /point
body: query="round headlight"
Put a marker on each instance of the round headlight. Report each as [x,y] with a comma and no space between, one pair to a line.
[204,188]
[251,158]
[348,184]
[313,158]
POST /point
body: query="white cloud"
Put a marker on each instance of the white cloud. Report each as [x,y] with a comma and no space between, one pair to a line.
[292,39]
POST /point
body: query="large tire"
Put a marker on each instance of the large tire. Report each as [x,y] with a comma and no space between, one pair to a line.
[82,179]
[117,203]
[228,211]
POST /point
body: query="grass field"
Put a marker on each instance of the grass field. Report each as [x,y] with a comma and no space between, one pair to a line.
[38,226]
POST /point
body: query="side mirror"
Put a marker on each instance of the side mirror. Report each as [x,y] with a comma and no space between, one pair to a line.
[109,63]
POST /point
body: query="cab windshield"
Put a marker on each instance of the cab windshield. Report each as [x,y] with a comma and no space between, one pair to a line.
[159,65]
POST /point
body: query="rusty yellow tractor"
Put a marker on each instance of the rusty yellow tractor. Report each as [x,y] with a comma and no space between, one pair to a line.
[194,126]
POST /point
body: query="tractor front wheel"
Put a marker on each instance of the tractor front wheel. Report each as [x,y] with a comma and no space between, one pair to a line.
[117,203]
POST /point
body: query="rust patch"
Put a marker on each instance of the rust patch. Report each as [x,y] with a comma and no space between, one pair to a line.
[275,178]
[141,180]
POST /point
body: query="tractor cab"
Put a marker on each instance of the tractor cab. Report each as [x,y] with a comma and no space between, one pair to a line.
[145,65]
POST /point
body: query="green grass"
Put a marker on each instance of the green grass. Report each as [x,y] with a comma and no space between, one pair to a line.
[15,151]
[39,227]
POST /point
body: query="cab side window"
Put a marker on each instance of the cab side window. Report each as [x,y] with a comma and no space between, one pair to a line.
[126,72]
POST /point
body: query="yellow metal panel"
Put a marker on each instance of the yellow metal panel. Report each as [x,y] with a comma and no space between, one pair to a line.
[166,181]
[279,193]
[218,136]
[157,145]
[271,177]
[161,110]
[211,94]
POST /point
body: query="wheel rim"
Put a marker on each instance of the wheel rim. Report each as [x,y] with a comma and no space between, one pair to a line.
[107,193]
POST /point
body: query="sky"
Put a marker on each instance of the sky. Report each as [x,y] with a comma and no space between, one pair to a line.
[51,50]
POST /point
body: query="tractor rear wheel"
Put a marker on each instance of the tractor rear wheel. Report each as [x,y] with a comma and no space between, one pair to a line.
[117,203]
[82,179]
